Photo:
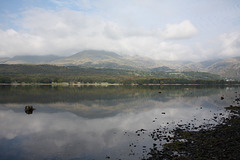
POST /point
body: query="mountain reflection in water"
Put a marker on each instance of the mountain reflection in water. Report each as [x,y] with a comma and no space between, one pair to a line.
[98,122]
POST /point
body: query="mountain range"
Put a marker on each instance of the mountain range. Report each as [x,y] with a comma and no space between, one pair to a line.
[227,68]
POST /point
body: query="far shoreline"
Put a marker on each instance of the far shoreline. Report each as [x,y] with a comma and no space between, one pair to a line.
[110,84]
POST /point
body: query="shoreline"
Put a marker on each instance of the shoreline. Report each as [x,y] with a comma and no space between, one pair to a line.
[219,142]
[108,84]
[60,84]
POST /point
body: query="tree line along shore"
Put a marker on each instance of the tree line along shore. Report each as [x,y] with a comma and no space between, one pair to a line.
[77,75]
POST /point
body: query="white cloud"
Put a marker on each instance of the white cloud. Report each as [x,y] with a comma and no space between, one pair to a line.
[87,133]
[179,31]
[65,32]
[153,28]
[230,44]
[113,31]
[14,42]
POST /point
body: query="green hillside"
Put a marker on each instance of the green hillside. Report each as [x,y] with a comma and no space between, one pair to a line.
[78,74]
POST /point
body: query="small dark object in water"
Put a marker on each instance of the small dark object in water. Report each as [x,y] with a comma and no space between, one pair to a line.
[222,98]
[29,109]
[159,92]
[163,112]
[141,130]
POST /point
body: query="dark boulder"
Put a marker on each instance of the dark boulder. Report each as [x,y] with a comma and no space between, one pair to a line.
[29,109]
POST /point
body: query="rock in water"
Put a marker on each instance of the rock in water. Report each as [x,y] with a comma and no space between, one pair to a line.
[29,109]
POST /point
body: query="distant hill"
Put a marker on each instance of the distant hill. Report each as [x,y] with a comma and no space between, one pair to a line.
[105,59]
[98,59]
[95,55]
[198,66]
[162,69]
[4,59]
[227,68]
[31,59]
[94,58]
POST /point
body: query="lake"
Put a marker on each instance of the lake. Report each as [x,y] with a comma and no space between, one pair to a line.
[96,122]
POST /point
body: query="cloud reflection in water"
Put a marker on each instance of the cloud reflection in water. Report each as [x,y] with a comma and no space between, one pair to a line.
[76,131]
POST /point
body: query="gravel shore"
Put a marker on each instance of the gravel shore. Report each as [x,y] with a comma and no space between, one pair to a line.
[221,142]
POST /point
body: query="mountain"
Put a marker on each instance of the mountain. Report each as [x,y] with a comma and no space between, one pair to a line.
[105,59]
[198,66]
[91,58]
[161,69]
[31,59]
[227,68]
[98,59]
[95,58]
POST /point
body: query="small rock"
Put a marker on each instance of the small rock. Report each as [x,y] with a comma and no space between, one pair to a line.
[29,109]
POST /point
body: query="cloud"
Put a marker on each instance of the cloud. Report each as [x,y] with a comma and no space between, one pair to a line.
[14,42]
[170,30]
[230,44]
[66,132]
[224,46]
[180,31]
[65,32]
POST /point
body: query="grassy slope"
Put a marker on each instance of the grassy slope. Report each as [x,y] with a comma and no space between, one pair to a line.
[51,73]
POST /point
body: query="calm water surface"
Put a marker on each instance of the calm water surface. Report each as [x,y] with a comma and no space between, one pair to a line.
[100,122]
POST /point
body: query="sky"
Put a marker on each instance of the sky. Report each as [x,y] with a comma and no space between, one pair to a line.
[185,30]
